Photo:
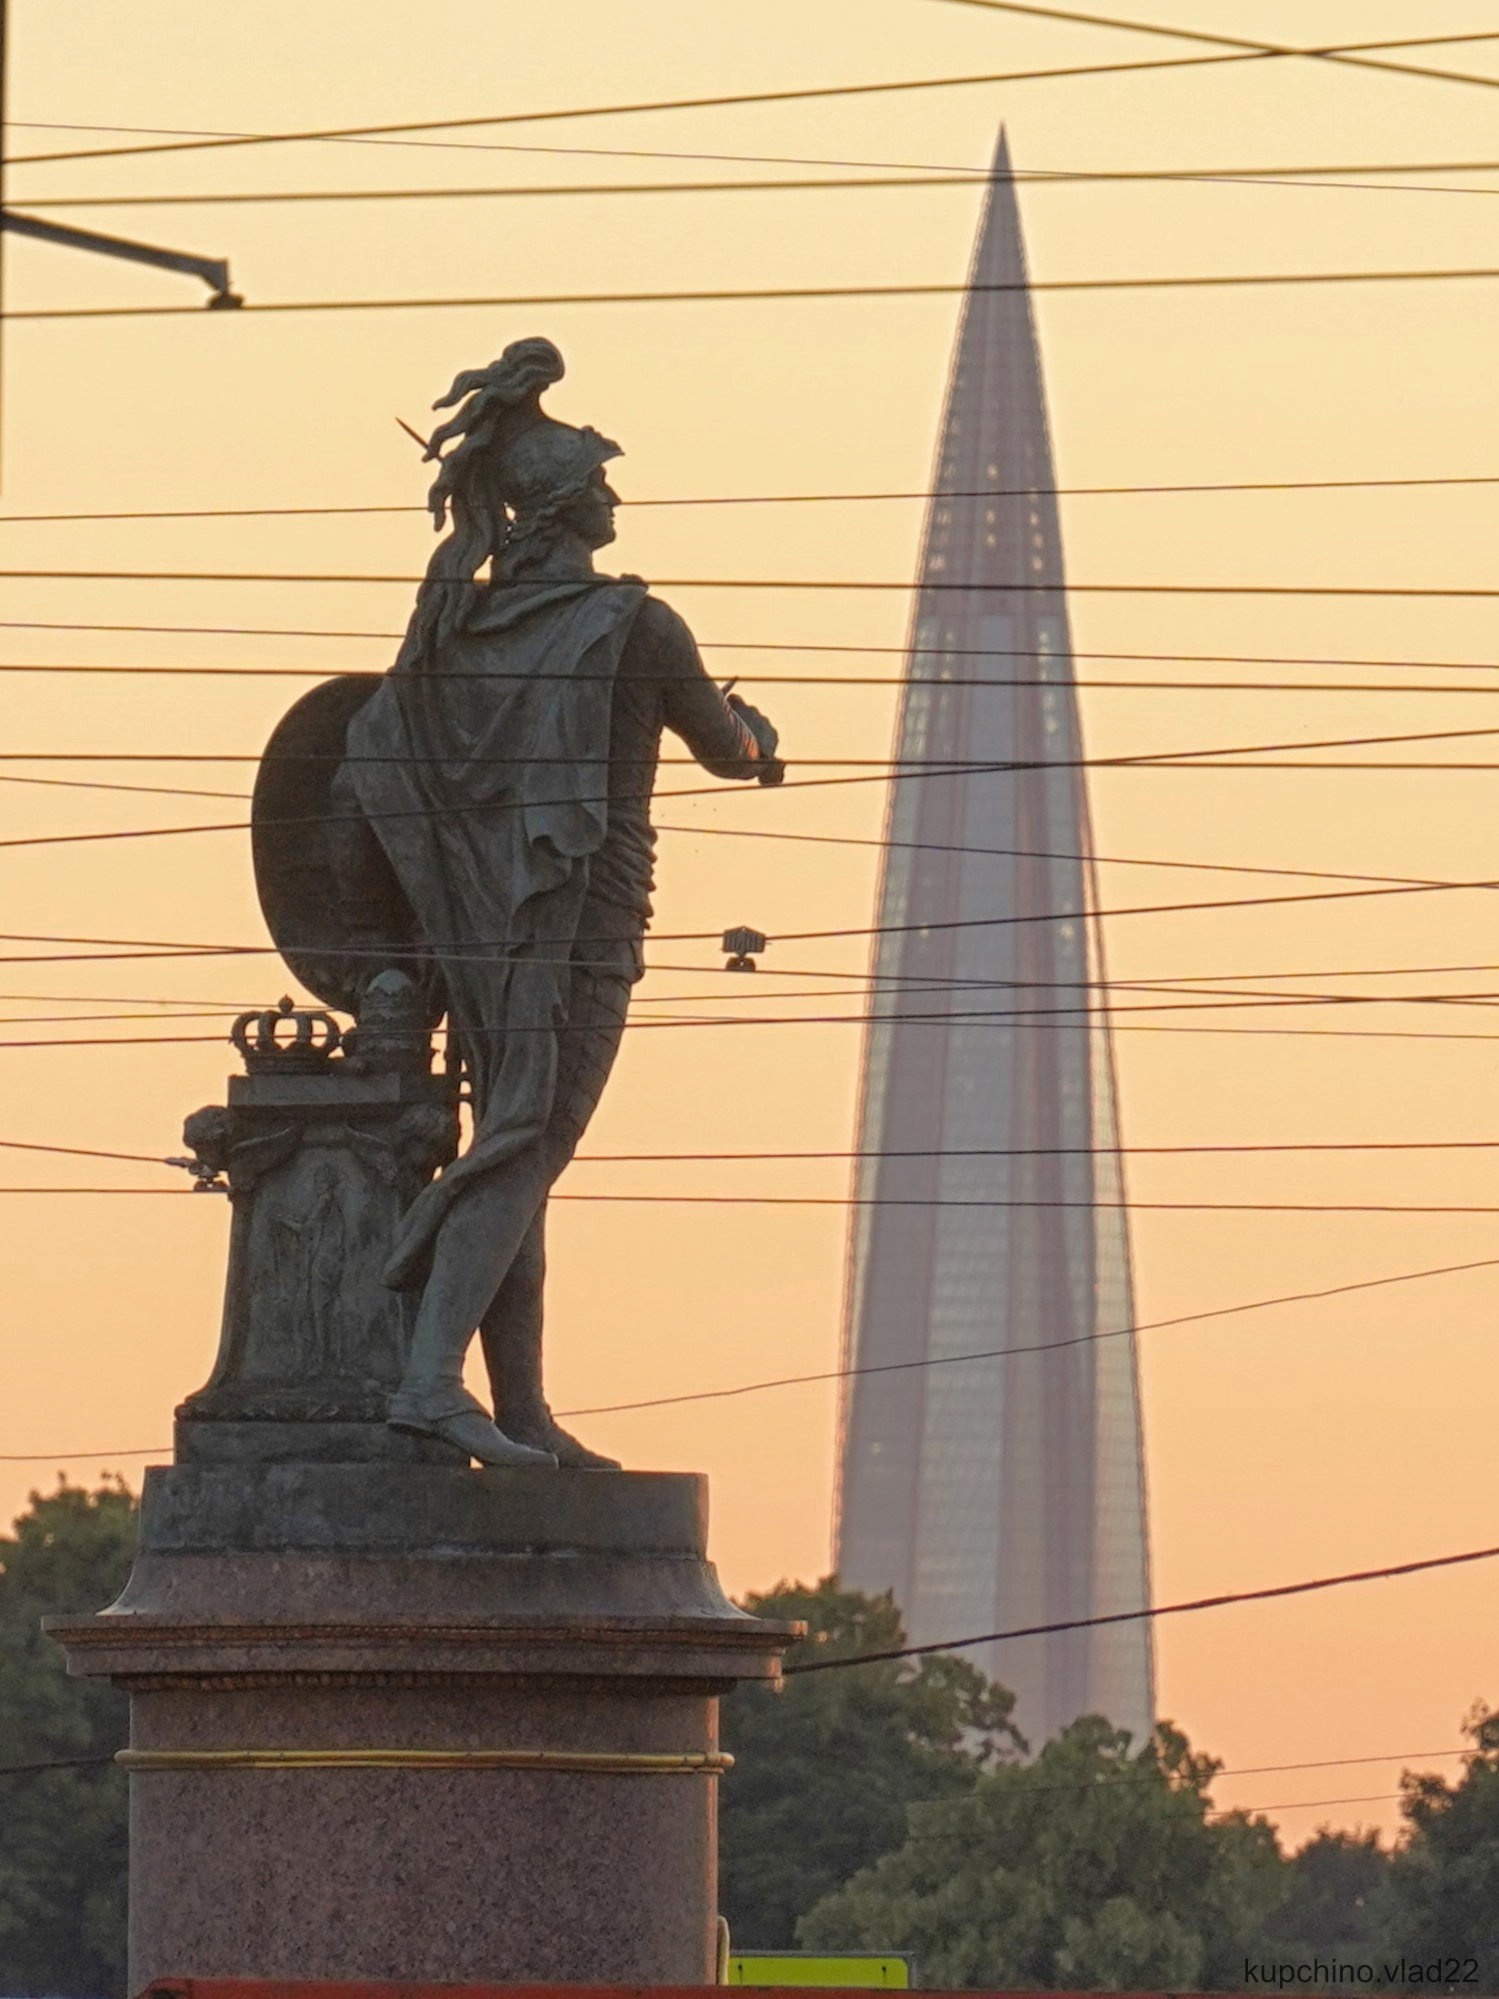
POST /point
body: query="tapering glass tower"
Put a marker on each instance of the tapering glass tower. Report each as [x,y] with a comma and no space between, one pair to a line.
[995,1493]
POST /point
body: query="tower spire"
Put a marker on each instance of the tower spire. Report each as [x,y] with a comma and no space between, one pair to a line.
[1005,1491]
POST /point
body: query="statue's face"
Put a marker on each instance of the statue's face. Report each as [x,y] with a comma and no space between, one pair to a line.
[591,515]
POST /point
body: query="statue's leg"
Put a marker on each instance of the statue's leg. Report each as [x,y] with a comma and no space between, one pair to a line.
[510,1333]
[478,1243]
[512,1327]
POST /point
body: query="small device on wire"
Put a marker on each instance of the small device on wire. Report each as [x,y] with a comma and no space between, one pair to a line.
[740,944]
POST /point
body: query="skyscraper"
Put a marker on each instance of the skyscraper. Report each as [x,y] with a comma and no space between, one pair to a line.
[995,1493]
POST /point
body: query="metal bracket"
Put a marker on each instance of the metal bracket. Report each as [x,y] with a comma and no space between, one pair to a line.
[214,271]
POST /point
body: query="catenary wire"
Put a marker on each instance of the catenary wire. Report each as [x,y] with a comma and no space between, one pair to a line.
[1023,587]
[940,177]
[704,645]
[955,764]
[1189,992]
[1178,760]
[806,499]
[964,170]
[1176,999]
[813,93]
[855,682]
[145,947]
[1359,55]
[747,832]
[1223,997]
[874,983]
[773,294]
[617,1199]
[1305,1804]
[1148,1613]
[1157,1777]
[1030,1026]
[1086,1786]
[1236,51]
[148,946]
[901,1152]
[962,764]
[1020,853]
[907,1366]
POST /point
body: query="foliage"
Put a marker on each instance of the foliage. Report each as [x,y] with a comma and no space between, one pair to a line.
[1444,1876]
[827,1768]
[1335,1903]
[62,1831]
[1090,1867]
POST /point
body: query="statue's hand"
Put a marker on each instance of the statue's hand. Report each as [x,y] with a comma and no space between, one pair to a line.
[767,739]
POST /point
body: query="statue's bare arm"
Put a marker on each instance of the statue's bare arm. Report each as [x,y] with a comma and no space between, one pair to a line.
[728,737]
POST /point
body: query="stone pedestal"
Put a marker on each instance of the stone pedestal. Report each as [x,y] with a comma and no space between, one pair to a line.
[422,1723]
[320,1162]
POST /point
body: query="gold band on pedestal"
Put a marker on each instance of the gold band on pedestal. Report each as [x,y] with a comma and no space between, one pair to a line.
[597,1762]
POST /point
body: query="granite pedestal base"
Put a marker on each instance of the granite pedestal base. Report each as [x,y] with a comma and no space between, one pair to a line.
[420,1723]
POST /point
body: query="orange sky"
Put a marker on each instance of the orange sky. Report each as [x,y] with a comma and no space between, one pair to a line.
[1307,1439]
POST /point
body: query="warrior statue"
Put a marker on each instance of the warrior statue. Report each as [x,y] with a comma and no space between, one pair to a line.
[488,832]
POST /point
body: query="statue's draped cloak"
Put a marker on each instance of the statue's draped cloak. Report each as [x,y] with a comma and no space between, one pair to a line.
[483,765]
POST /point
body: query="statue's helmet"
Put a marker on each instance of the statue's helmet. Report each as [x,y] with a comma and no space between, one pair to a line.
[529,461]
[547,464]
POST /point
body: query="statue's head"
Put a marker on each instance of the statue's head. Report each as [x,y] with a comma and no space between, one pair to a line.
[517,483]
[553,475]
[512,462]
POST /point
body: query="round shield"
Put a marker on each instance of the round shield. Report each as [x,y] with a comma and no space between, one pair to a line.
[328,895]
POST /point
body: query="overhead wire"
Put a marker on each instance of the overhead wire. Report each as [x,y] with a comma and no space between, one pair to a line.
[945,177]
[772,294]
[803,94]
[1178,999]
[1024,587]
[1359,55]
[864,982]
[853,682]
[1165,862]
[704,645]
[175,949]
[1236,50]
[1232,1150]
[955,763]
[1211,759]
[807,499]
[1149,1613]
[906,1366]
[1008,1025]
[963,171]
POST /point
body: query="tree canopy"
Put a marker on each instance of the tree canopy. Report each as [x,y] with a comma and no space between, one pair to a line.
[1094,1865]
[62,1831]
[827,1768]
[1335,1905]
[1444,1873]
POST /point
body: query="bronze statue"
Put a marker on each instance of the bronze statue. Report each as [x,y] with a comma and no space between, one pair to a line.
[485,818]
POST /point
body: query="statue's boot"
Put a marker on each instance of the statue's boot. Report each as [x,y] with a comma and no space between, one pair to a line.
[547,1435]
[468,1427]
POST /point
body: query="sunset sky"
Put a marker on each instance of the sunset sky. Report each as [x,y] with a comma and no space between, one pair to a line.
[1307,1439]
